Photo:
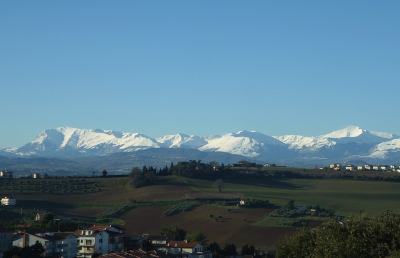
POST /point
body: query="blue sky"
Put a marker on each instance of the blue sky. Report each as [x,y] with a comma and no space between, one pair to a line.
[201,67]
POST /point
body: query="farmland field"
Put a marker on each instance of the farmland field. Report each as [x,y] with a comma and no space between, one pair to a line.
[144,209]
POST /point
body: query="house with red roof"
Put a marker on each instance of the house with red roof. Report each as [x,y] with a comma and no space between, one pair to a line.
[187,249]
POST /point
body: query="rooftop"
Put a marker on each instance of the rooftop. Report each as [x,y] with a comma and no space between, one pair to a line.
[181,244]
[132,253]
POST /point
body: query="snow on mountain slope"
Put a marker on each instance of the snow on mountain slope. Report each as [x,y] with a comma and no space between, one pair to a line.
[384,149]
[299,142]
[350,131]
[181,140]
[245,143]
[356,134]
[7,149]
[351,134]
[335,146]
[86,141]
[8,152]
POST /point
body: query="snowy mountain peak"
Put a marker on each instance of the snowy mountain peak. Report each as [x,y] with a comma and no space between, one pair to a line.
[74,140]
[350,131]
[256,136]
[383,149]
[351,136]
[348,143]
[299,142]
[245,143]
[181,140]
[357,135]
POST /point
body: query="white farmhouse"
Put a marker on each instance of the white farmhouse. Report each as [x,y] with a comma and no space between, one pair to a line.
[349,168]
[7,201]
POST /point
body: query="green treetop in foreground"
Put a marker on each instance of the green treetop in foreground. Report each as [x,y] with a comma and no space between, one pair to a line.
[354,237]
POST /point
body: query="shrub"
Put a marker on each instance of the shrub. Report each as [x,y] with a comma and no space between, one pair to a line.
[366,237]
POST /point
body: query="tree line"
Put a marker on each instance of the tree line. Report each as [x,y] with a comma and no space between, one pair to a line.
[247,171]
[357,236]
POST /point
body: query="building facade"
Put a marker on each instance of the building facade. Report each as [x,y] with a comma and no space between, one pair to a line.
[99,240]
[63,245]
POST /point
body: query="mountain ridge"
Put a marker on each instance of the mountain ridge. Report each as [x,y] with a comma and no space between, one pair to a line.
[341,145]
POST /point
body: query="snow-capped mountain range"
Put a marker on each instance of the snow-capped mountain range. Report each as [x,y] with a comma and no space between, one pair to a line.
[350,143]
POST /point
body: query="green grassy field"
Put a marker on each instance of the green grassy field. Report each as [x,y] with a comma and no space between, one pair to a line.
[143,210]
[345,196]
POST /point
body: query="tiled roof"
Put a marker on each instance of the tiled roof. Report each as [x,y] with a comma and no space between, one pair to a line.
[132,254]
[78,232]
[99,228]
[181,244]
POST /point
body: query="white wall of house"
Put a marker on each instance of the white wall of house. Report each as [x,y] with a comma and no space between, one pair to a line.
[86,246]
[158,242]
[25,240]
[177,250]
[98,243]
[19,242]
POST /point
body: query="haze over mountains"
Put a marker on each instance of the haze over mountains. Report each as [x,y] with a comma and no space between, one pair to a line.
[351,144]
